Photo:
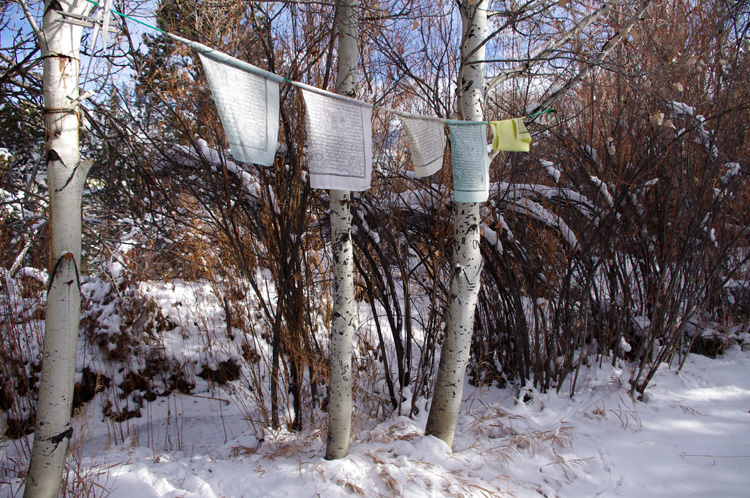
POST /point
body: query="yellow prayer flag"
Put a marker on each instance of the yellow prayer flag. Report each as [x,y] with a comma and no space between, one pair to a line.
[510,135]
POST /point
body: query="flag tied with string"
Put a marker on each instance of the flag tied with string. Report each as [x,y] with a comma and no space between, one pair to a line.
[248,106]
[510,135]
[471,164]
[427,143]
[339,140]
[339,130]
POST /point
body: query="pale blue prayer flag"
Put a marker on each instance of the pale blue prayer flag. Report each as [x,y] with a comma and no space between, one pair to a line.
[339,140]
[248,106]
[471,164]
[426,143]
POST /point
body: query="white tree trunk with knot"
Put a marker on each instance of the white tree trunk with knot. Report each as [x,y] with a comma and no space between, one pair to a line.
[342,325]
[467,257]
[66,174]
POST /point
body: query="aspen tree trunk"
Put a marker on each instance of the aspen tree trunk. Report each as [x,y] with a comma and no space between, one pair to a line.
[66,174]
[342,325]
[467,258]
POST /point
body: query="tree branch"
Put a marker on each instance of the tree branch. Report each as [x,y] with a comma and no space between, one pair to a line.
[513,17]
[553,45]
[599,58]
[41,38]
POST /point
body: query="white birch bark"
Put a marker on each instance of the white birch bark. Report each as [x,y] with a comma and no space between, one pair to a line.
[66,174]
[342,324]
[467,258]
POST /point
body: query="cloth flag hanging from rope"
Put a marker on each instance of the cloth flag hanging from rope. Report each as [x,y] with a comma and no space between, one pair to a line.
[426,143]
[510,135]
[471,164]
[248,106]
[339,141]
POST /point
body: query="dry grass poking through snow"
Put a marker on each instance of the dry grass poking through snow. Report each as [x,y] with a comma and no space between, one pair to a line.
[394,459]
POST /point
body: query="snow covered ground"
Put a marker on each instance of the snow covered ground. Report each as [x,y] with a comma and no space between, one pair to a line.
[690,438]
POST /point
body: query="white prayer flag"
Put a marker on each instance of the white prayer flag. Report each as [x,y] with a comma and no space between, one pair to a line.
[471,164]
[248,106]
[426,143]
[339,141]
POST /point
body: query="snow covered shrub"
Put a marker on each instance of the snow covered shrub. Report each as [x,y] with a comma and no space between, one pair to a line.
[124,331]
[22,300]
[626,225]
[600,245]
[260,227]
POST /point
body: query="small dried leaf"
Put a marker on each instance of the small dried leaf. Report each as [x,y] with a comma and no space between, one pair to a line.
[611,149]
[678,86]
[563,3]
[669,124]
[657,118]
[691,61]
[416,24]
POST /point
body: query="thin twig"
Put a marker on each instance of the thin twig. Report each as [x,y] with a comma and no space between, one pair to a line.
[41,38]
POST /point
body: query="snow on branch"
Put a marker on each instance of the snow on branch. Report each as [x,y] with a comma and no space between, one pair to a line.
[551,170]
[539,213]
[515,191]
[604,190]
[706,136]
[732,170]
[493,236]
[494,241]
[193,158]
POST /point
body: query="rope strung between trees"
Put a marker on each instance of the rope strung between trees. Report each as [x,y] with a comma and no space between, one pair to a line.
[272,76]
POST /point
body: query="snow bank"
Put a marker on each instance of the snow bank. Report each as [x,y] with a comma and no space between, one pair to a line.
[689,438]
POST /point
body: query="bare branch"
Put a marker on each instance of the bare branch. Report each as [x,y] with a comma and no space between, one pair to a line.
[599,58]
[41,38]
[551,47]
[514,16]
[19,68]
